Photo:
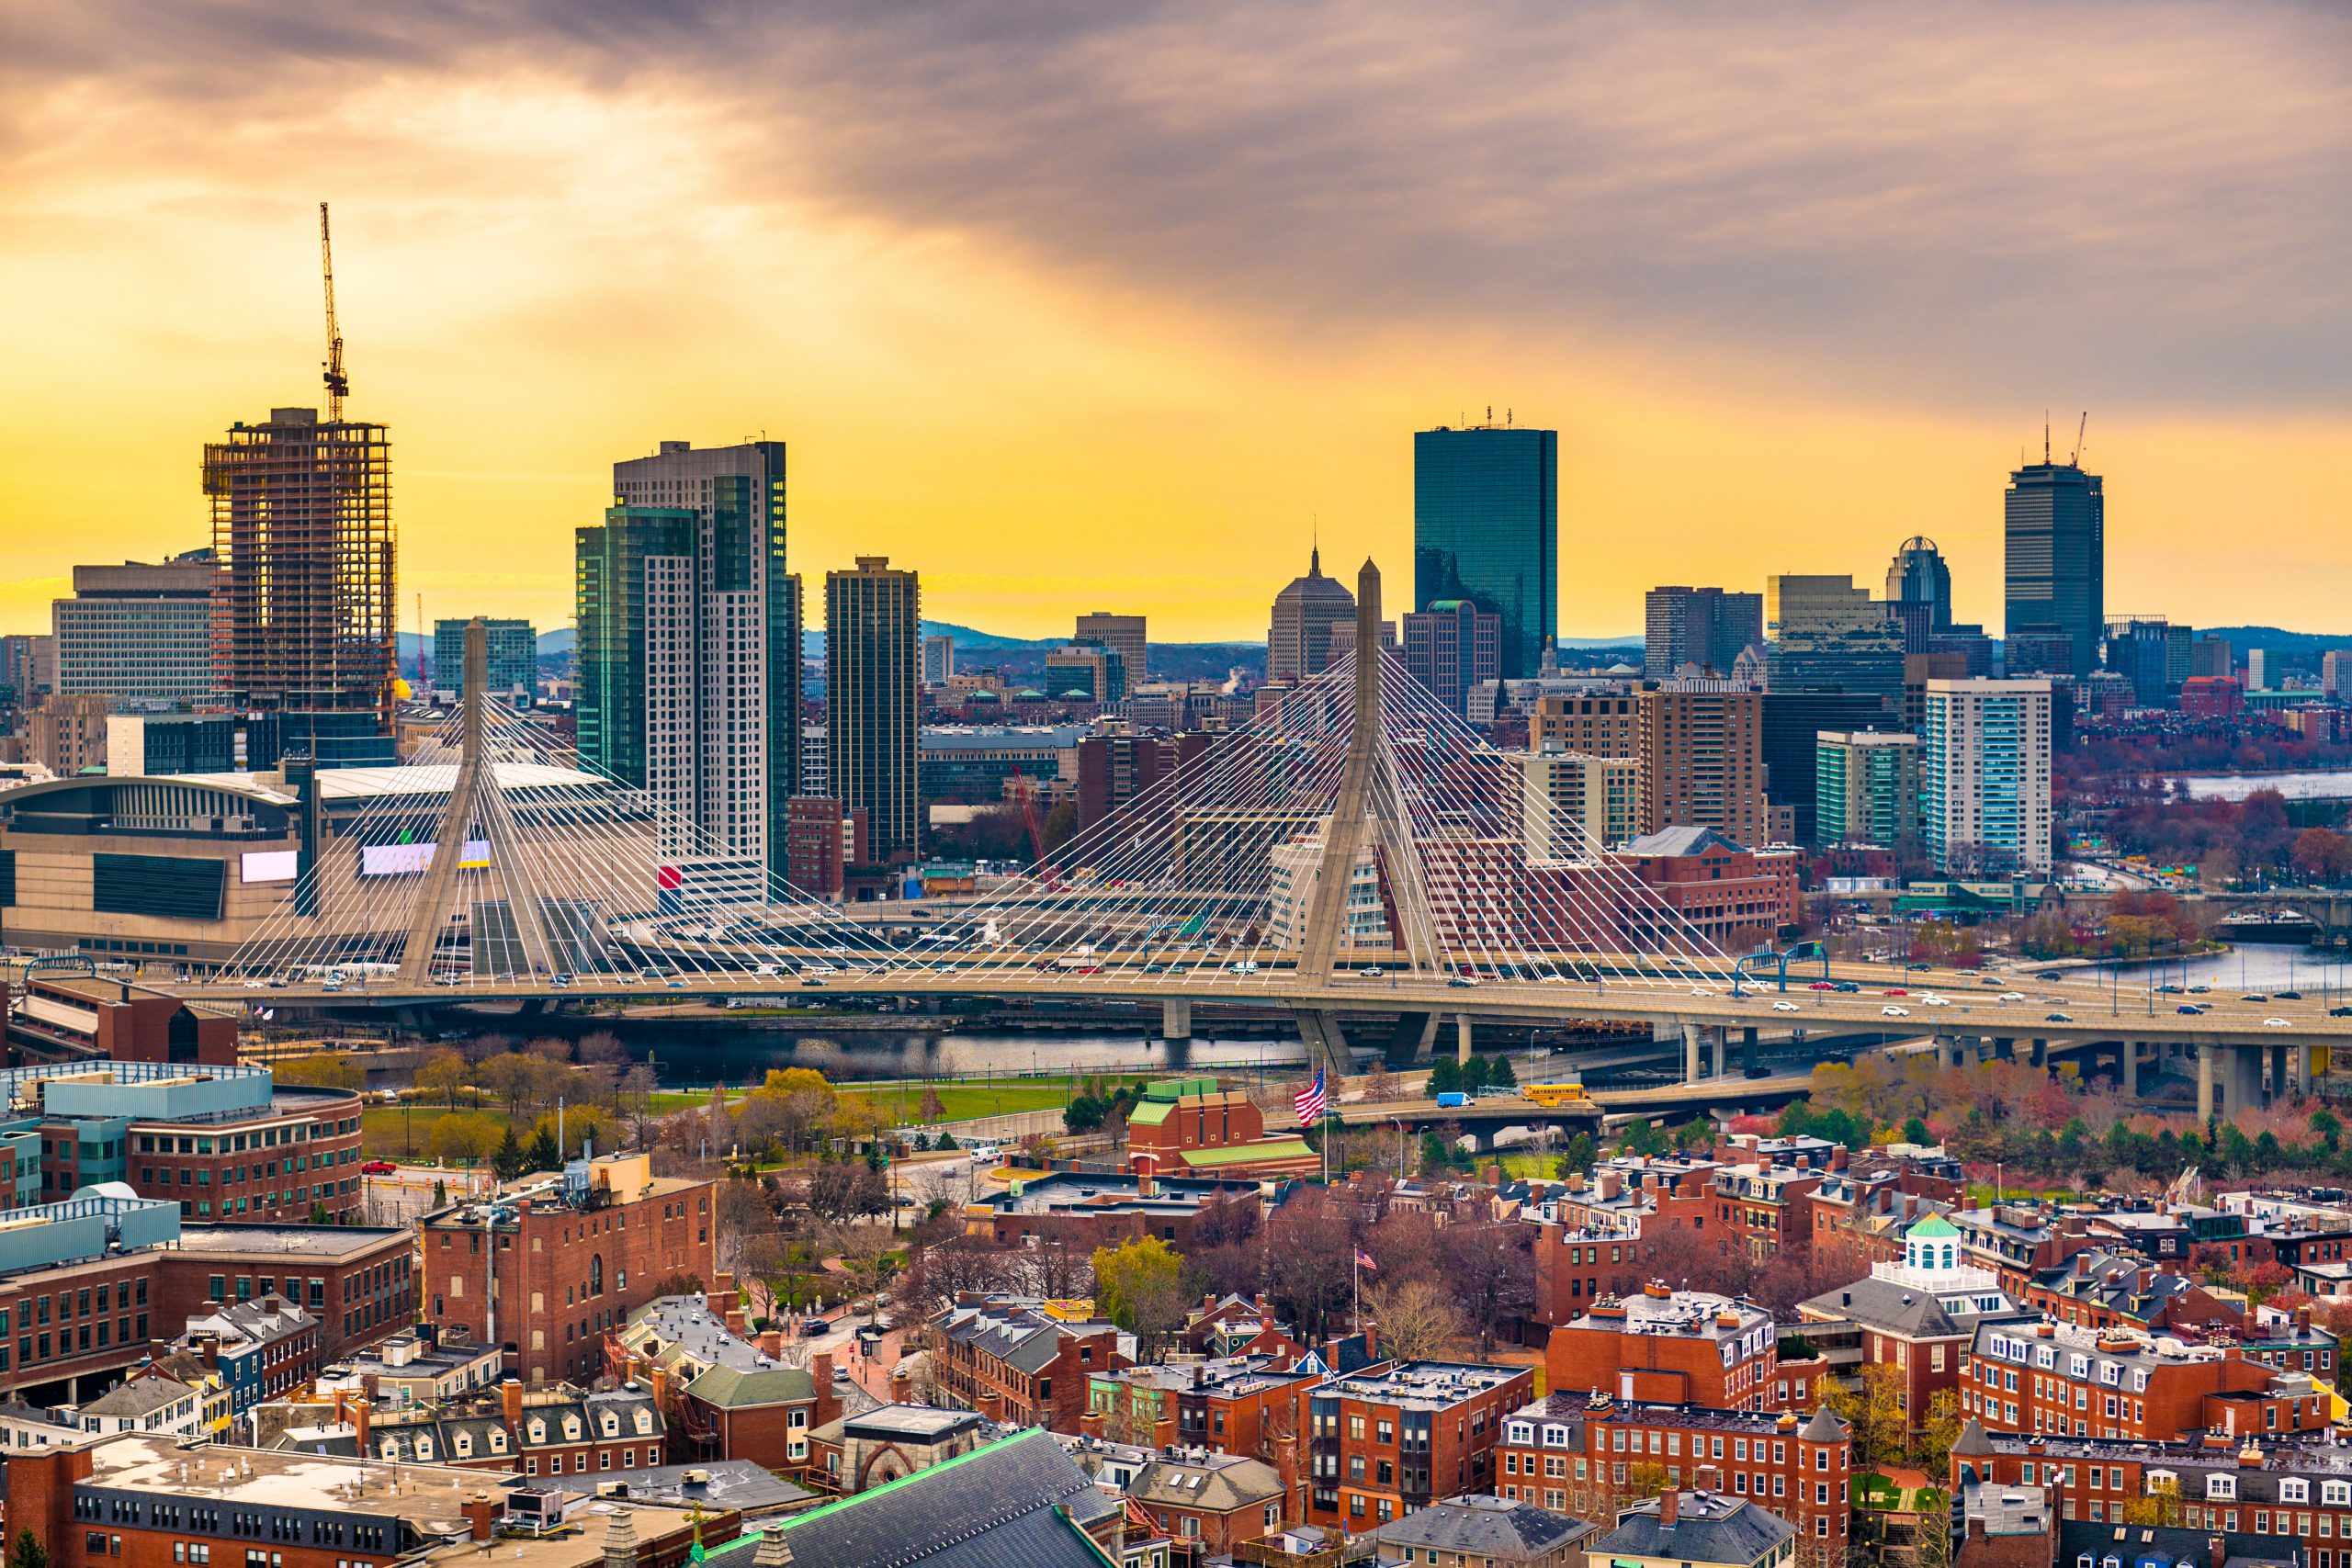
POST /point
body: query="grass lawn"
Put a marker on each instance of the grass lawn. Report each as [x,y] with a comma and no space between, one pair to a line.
[1533,1165]
[966,1101]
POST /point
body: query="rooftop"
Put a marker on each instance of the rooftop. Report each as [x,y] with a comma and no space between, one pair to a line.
[1708,1528]
[280,1241]
[1690,1315]
[1486,1527]
[1422,1385]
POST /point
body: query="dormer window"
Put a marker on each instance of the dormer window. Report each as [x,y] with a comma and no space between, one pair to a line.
[2222,1486]
[644,1423]
[2294,1489]
[392,1448]
[572,1428]
[611,1425]
[462,1444]
[498,1439]
[538,1430]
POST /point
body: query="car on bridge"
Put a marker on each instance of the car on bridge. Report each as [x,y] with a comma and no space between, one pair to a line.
[2191,1009]
[1890,1010]
[2275,1023]
[2058,1018]
[1784,1007]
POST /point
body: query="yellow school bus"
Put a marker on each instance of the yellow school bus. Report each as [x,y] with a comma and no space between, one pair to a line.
[1557,1094]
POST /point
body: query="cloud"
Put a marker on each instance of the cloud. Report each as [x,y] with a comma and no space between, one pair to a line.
[2144,204]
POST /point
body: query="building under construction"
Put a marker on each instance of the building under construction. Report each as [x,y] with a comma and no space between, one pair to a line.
[303,620]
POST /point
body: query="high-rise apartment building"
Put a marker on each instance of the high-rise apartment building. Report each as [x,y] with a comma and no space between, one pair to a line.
[938,661]
[2140,648]
[2054,558]
[1596,724]
[873,700]
[1703,761]
[1822,634]
[2335,674]
[28,666]
[1122,634]
[139,631]
[1486,528]
[514,647]
[307,603]
[1792,721]
[2258,670]
[1573,807]
[1704,626]
[1298,641]
[1452,647]
[1866,787]
[1984,776]
[690,648]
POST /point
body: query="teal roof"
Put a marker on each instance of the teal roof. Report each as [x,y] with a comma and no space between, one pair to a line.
[1934,1226]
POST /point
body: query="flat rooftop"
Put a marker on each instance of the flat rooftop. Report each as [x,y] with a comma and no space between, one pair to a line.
[1422,1385]
[288,1241]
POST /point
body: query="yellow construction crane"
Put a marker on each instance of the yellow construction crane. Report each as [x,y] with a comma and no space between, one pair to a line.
[338,384]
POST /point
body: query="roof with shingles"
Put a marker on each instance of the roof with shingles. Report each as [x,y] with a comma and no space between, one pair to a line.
[1486,1526]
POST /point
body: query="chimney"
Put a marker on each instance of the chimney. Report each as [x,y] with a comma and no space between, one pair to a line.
[1200,1374]
[2082,1264]
[991,1406]
[1208,1303]
[902,1386]
[2303,1320]
[359,1413]
[1090,1425]
[510,1400]
[1838,1157]
[208,1346]
[774,1551]
[482,1514]
[771,1343]
[1709,1479]
[660,1380]
[829,1402]
[737,1324]
[1144,1185]
[1371,1345]
[1259,1300]
[367,1381]
[1669,1503]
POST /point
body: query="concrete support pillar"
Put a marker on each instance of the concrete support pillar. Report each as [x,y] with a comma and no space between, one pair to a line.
[2040,1057]
[1461,1037]
[2005,1049]
[2246,1087]
[1690,1052]
[1748,1048]
[2128,1062]
[1176,1019]
[2206,1052]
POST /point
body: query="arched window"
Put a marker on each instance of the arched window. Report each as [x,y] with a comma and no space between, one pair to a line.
[595,1273]
[1948,1255]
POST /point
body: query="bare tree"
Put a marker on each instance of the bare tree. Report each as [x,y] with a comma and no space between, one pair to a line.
[603,1046]
[1416,1318]
[1310,1255]
[1491,1273]
[868,1256]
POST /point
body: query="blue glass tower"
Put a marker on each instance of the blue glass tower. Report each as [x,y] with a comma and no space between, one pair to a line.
[1486,528]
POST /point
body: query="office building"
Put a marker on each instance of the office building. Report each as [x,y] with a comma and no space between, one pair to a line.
[873,700]
[1822,634]
[1791,722]
[2258,670]
[1298,641]
[1866,788]
[1452,647]
[1918,591]
[139,631]
[67,735]
[2335,674]
[28,666]
[1122,634]
[1701,744]
[971,763]
[514,649]
[1086,673]
[2213,656]
[303,543]
[559,1260]
[1117,771]
[938,661]
[1600,723]
[2140,648]
[1984,776]
[2055,563]
[156,745]
[1704,626]
[1486,528]
[1574,806]
[689,653]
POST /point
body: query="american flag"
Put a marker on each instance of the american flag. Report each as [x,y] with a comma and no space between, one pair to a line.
[1309,1102]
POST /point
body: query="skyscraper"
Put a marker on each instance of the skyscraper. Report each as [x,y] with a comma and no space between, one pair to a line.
[1705,626]
[1984,776]
[1123,634]
[1918,591]
[2055,557]
[690,646]
[1299,639]
[514,649]
[1702,759]
[303,543]
[136,630]
[1866,787]
[1452,647]
[873,699]
[938,659]
[1826,634]
[1486,528]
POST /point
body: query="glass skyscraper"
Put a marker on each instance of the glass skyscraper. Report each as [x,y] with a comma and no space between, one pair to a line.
[1486,528]
[2055,559]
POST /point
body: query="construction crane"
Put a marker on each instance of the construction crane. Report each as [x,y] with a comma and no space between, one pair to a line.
[1028,807]
[2080,431]
[338,384]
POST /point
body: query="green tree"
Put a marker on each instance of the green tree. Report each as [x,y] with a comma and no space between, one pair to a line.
[1932,1448]
[1916,1132]
[1141,1286]
[29,1552]
[546,1154]
[1582,1153]
[1500,1073]
[1445,1076]
[510,1160]
[1641,1138]
[2329,1127]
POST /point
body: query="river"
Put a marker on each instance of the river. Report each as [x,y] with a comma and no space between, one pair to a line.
[692,1055]
[2328,785]
[2250,967]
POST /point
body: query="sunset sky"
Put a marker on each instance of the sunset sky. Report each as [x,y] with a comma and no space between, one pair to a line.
[1075,306]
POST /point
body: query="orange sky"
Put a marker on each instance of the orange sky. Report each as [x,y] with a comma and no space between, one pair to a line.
[1073,313]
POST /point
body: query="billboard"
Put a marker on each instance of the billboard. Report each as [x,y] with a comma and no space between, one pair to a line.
[268,865]
[407,860]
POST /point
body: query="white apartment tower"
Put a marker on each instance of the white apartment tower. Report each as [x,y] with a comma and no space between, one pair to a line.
[1984,776]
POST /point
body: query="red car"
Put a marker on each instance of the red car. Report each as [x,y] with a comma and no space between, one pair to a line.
[1897,991]
[378,1167]
[1821,986]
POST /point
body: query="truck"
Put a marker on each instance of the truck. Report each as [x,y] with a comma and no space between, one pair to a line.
[1454,1100]
[1554,1095]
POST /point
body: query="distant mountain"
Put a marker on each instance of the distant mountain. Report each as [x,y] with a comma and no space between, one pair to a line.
[2275,639]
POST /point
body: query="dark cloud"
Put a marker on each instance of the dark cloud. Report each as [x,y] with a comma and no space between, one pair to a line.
[2149,204]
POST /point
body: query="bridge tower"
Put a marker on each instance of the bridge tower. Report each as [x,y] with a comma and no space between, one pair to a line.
[430,918]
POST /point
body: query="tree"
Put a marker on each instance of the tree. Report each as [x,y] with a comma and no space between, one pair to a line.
[510,1160]
[1916,1132]
[461,1137]
[1445,1076]
[323,1069]
[546,1154]
[1500,1073]
[1872,1411]
[1491,1273]
[1311,1259]
[1416,1319]
[1932,1448]
[1141,1286]
[444,1074]
[1580,1154]
[1641,1138]
[29,1552]
[869,1257]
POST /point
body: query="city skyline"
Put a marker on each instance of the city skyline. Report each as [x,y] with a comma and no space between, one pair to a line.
[1777,334]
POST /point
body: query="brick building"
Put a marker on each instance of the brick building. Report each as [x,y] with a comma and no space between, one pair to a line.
[1737,896]
[1384,1442]
[1021,1360]
[1765,1210]
[1668,1347]
[1096,1209]
[1241,1405]
[144,1501]
[2046,1377]
[725,1394]
[2300,1491]
[1210,1502]
[573,1255]
[1116,769]
[822,842]
[557,1431]
[1858,1220]
[360,1281]
[1188,1125]
[82,1016]
[1606,1229]
[1917,1316]
[1577,1453]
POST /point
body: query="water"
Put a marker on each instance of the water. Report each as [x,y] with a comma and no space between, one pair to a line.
[2336,785]
[716,1053]
[2250,967]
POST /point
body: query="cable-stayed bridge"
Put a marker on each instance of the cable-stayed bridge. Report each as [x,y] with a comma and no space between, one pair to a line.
[1355,848]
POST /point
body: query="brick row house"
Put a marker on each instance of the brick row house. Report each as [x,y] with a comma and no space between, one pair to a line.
[1022,1360]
